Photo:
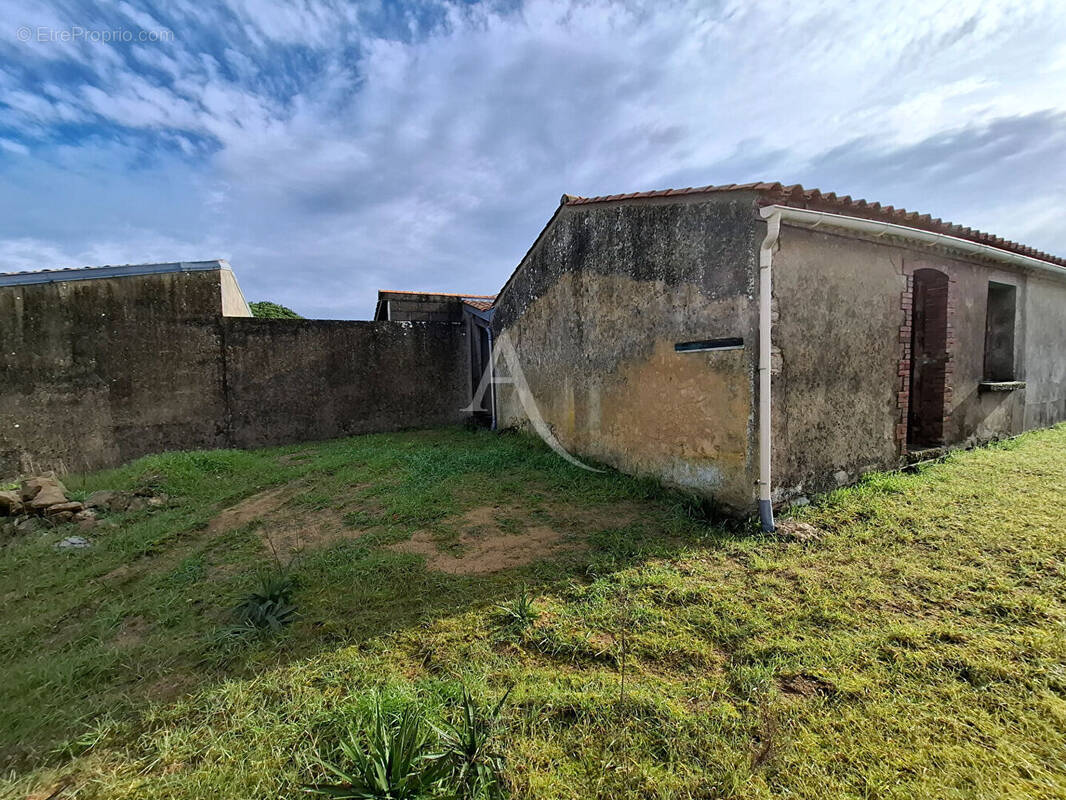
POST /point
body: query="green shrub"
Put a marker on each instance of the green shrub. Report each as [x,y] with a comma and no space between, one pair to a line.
[264,309]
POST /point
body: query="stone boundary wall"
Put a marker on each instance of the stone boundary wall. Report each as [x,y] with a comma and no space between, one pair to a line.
[299,380]
[93,376]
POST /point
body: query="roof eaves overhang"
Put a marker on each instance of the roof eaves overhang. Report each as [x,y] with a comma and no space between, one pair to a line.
[810,218]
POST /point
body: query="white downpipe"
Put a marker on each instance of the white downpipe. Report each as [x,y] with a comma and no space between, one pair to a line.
[805,216]
[766,293]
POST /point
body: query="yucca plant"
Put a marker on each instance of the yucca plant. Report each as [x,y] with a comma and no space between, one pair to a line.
[269,607]
[390,760]
[520,613]
[469,748]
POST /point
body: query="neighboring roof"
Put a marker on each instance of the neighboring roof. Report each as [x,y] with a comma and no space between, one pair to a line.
[796,196]
[89,273]
[479,302]
[464,297]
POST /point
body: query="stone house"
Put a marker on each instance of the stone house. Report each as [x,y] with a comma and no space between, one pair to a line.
[765,342]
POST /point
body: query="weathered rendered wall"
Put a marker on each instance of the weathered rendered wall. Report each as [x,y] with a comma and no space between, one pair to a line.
[595,309]
[297,380]
[96,372]
[841,392]
[837,330]
[594,312]
[1043,348]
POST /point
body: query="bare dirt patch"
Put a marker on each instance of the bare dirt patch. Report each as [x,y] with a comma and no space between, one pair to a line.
[252,508]
[598,518]
[120,574]
[132,632]
[484,546]
[805,686]
[169,687]
[293,532]
[285,528]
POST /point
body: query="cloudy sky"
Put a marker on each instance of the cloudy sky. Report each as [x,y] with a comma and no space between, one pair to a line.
[329,149]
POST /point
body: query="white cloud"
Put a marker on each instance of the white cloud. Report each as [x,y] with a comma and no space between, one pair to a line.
[14,147]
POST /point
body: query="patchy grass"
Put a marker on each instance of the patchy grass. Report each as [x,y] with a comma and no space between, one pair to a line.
[916,649]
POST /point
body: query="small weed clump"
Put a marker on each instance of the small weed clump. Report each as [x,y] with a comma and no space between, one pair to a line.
[268,608]
[469,745]
[520,613]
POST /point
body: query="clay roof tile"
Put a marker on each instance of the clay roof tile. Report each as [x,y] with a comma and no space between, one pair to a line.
[797,196]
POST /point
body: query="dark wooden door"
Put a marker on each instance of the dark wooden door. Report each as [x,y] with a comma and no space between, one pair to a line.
[929,358]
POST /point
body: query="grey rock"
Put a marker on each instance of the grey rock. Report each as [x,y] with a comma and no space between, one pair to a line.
[137,504]
[73,506]
[101,499]
[29,525]
[841,477]
[10,504]
[73,543]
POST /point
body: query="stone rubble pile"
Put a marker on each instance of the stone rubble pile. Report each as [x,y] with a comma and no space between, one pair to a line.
[42,502]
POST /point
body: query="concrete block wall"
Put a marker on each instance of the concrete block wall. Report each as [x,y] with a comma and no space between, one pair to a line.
[426,310]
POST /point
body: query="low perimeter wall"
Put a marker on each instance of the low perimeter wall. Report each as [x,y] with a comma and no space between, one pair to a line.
[79,393]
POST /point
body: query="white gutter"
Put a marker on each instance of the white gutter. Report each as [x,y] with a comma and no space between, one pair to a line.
[805,216]
[774,216]
[766,259]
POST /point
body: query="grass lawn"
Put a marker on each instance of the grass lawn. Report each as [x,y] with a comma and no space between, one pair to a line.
[916,649]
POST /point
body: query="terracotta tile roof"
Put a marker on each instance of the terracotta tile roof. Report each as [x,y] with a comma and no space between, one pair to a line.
[798,197]
[480,305]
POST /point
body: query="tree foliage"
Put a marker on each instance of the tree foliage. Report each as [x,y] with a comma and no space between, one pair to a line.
[264,309]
